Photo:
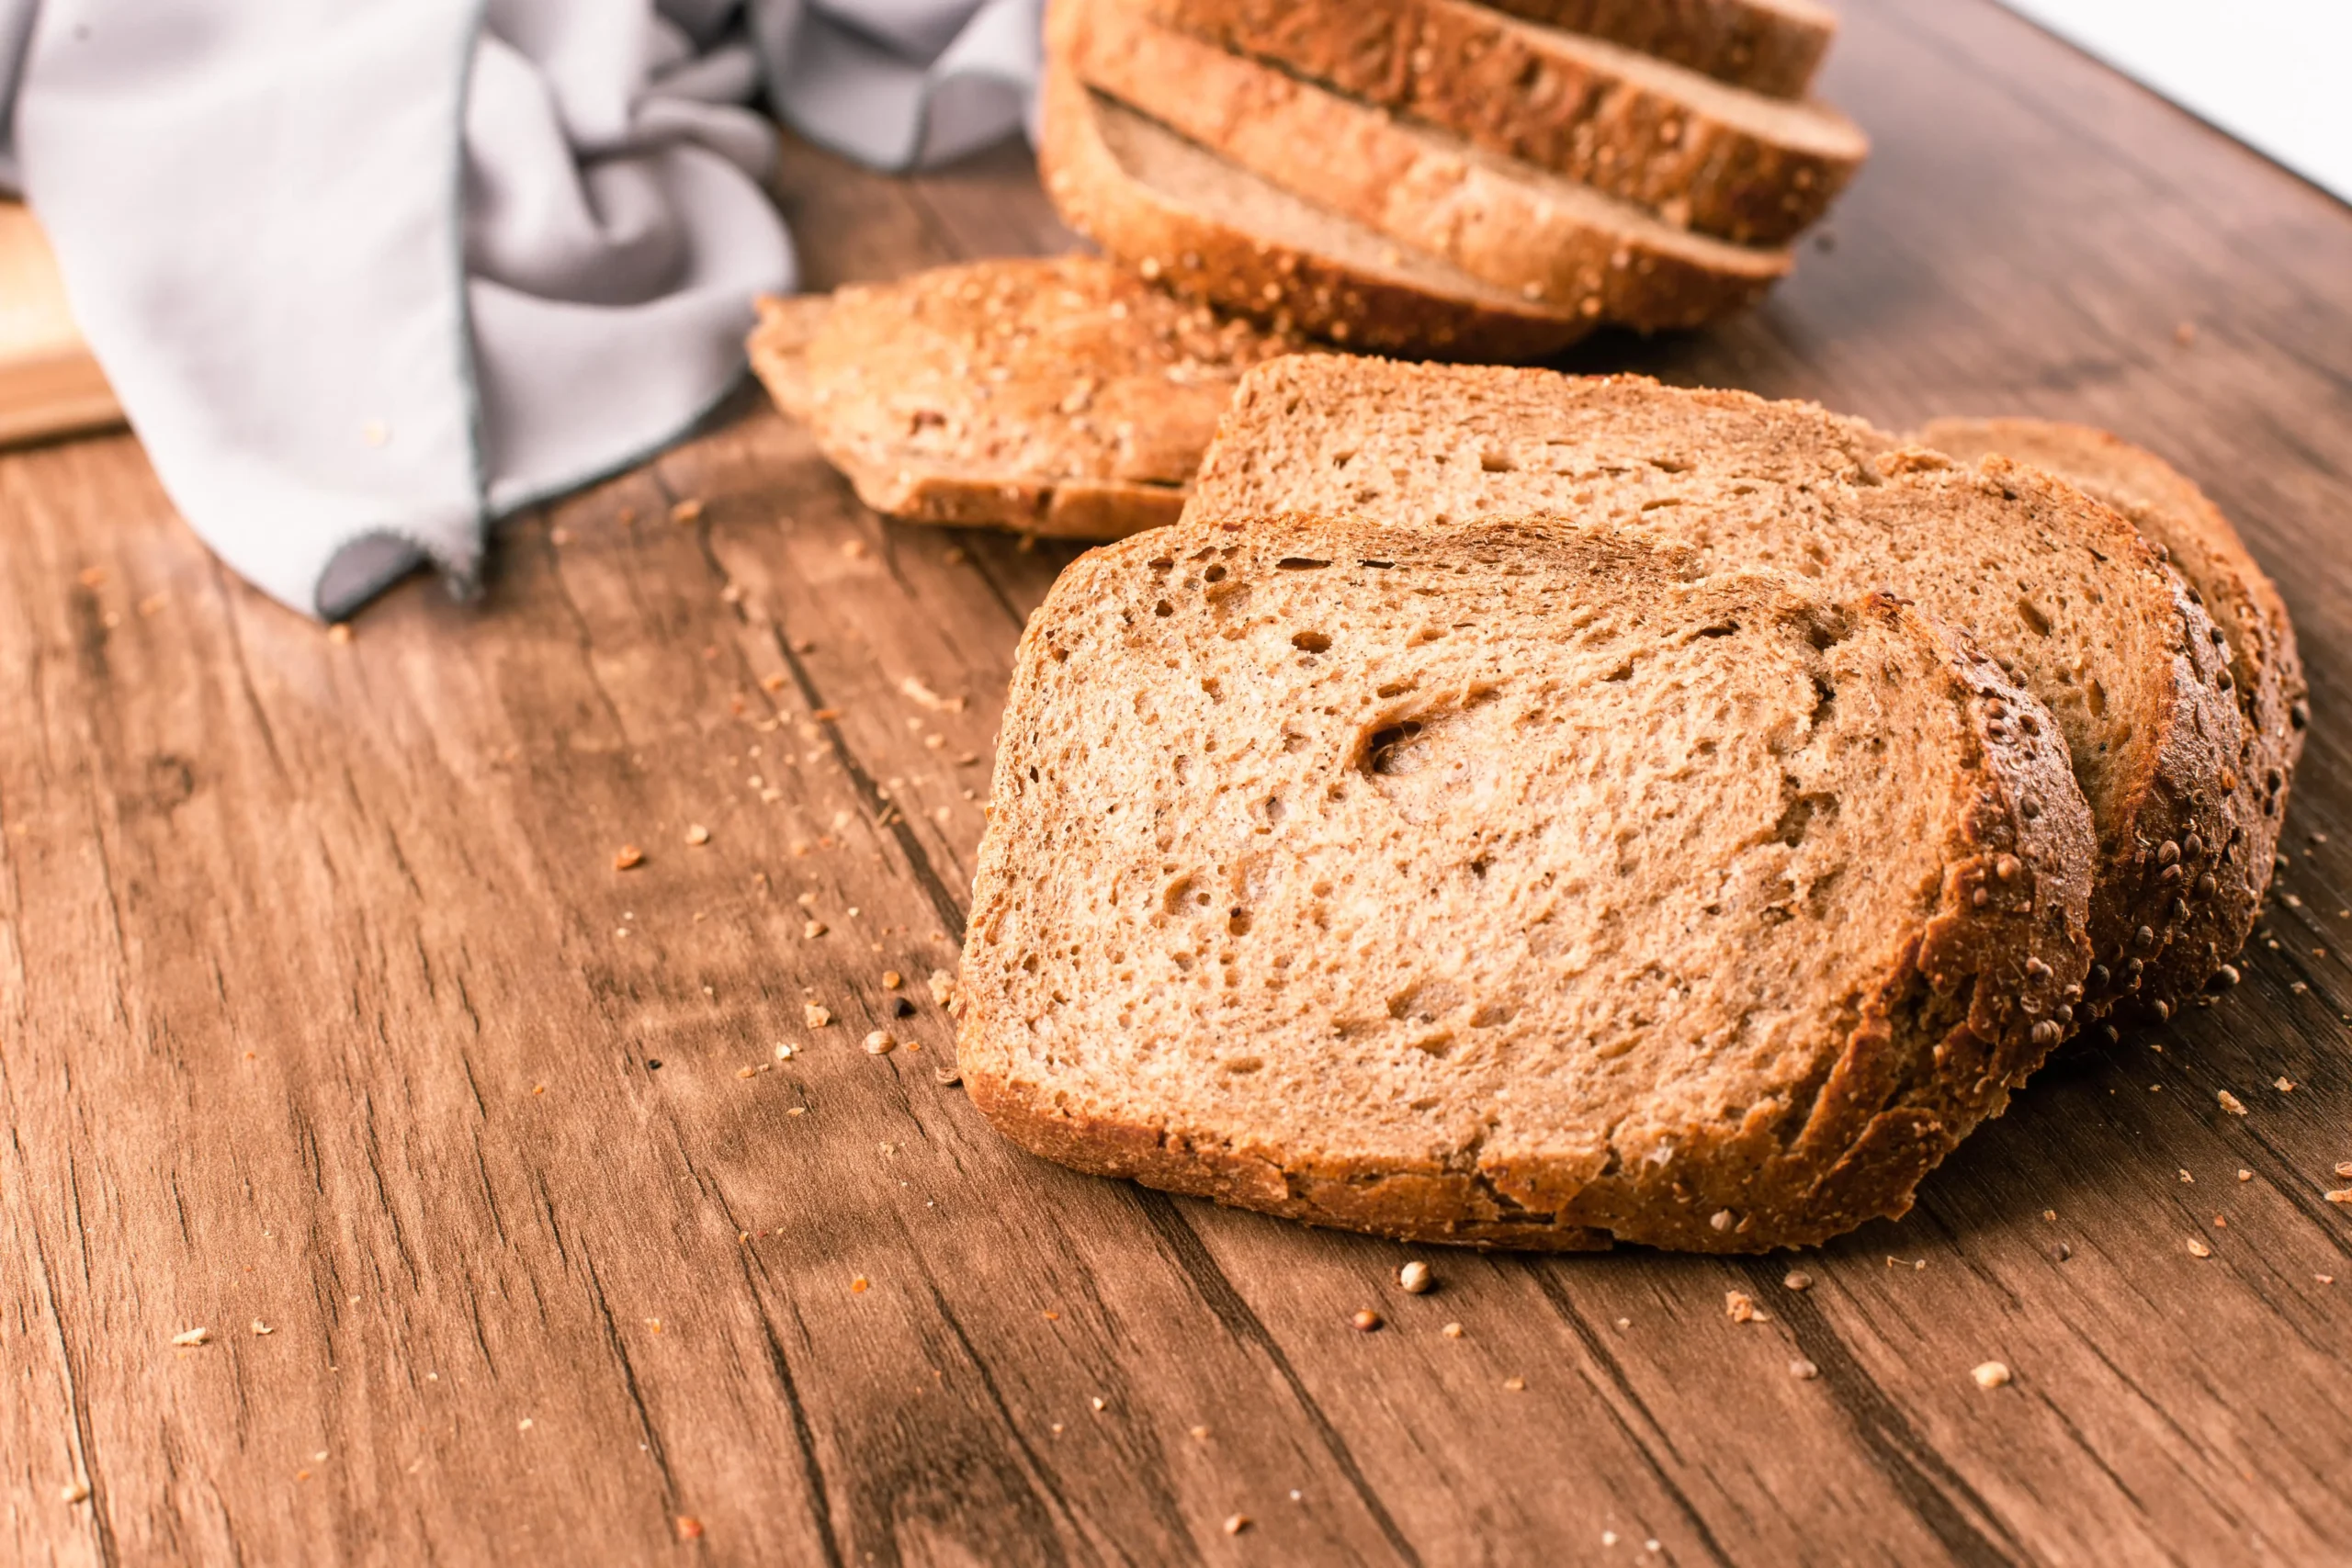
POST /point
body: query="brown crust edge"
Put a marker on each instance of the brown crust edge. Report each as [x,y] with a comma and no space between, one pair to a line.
[2215,806]
[1543,95]
[1202,258]
[1983,993]
[1757,46]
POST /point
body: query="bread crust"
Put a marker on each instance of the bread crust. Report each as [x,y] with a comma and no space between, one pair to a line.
[1516,228]
[1060,398]
[2176,867]
[1767,46]
[1975,999]
[1202,256]
[2266,674]
[1712,158]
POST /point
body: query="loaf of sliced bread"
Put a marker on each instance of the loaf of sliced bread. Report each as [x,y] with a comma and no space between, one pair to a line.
[1767,46]
[2055,584]
[1503,883]
[1543,237]
[1062,397]
[2266,674]
[1717,159]
[1209,229]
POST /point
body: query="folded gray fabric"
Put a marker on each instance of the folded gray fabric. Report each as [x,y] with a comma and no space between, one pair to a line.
[368,276]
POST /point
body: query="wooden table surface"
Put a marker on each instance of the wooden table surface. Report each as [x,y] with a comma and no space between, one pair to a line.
[328,1025]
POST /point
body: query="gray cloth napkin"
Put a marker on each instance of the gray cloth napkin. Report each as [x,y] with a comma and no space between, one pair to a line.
[370,274]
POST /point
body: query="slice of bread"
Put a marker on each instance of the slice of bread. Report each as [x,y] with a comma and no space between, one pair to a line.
[2056,585]
[1209,229]
[1501,884]
[2266,674]
[1520,229]
[1062,397]
[1767,46]
[1717,159]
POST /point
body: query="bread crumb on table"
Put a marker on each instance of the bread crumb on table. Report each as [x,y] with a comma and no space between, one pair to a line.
[697,835]
[2231,1102]
[1365,1321]
[2197,1248]
[1797,1280]
[73,1491]
[688,1527]
[1236,1523]
[1740,1307]
[192,1336]
[1990,1374]
[879,1042]
[815,1016]
[1804,1370]
[1416,1278]
[628,857]
[687,511]
[1451,1331]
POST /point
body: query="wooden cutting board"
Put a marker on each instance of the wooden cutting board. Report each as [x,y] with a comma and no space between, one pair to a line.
[49,384]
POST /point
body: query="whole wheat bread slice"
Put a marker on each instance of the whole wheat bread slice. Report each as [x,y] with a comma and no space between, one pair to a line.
[1210,229]
[2054,584]
[1767,46]
[1502,885]
[1536,234]
[1717,159]
[1062,397]
[2267,672]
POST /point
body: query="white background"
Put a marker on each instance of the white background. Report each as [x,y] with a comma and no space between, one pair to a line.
[2275,74]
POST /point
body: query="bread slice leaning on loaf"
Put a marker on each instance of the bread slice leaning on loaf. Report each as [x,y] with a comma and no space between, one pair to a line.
[1716,159]
[1539,235]
[1061,397]
[1504,883]
[2267,672]
[2050,581]
[1210,229]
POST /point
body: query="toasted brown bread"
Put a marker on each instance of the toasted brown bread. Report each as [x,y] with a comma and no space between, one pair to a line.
[1717,159]
[1500,884]
[1062,397]
[1212,230]
[2054,584]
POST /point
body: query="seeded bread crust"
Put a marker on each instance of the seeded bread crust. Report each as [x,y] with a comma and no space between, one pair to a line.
[1719,160]
[1767,46]
[1531,234]
[1853,1097]
[2267,672]
[1060,397]
[2112,643]
[1284,262]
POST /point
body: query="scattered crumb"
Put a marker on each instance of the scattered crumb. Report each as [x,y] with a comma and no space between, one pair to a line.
[1365,1321]
[1416,1278]
[689,1527]
[747,1072]
[1516,1385]
[1608,1538]
[857,1284]
[1052,1316]
[1236,1523]
[1990,1374]
[628,857]
[192,1336]
[2186,1176]
[1451,1331]
[1200,1434]
[1797,1280]
[854,548]
[2341,1195]
[697,835]
[262,1328]
[2231,1103]
[687,511]
[1740,1308]
[73,1491]
[815,1016]
[2196,1247]
[891,979]
[340,632]
[879,1042]
[813,930]
[1804,1370]
[2284,1085]
[2343,1167]
[1097,1403]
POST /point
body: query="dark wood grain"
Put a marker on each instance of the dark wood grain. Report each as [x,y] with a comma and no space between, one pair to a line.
[322,1004]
